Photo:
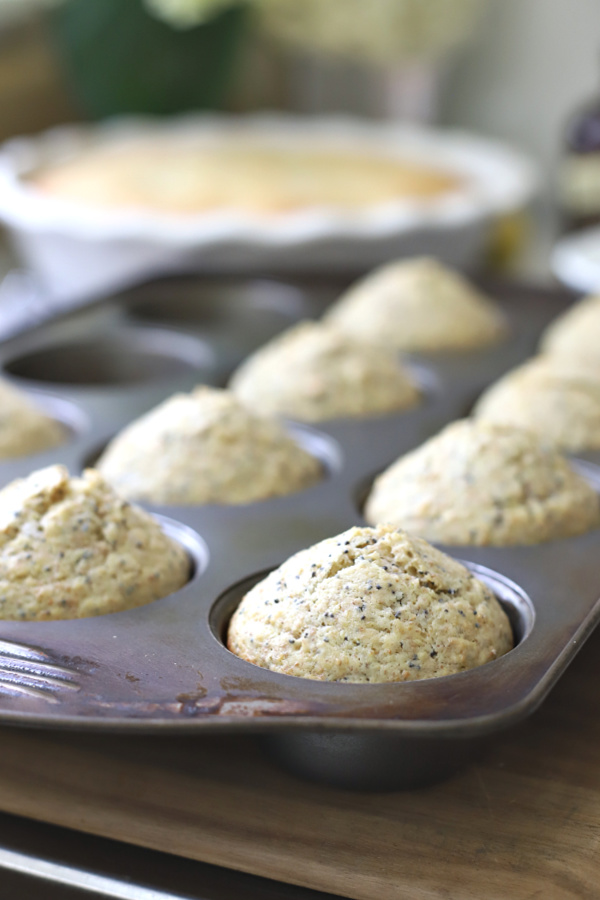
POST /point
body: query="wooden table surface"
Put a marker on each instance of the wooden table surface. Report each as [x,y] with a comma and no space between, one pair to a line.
[523,823]
[33,92]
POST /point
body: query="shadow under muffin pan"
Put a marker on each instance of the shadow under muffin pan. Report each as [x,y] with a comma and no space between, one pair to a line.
[164,667]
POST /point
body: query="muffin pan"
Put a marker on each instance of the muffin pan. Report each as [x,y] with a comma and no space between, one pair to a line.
[164,667]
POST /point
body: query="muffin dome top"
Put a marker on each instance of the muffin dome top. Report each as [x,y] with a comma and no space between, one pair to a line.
[25,429]
[419,305]
[206,447]
[370,605]
[480,482]
[575,333]
[70,547]
[314,372]
[555,397]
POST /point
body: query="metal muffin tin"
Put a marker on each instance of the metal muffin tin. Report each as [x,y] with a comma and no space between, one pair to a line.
[164,667]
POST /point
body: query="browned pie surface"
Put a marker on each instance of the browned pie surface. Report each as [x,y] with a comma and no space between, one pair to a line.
[171,177]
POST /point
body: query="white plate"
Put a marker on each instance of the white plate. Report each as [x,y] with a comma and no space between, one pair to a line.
[576,260]
[78,251]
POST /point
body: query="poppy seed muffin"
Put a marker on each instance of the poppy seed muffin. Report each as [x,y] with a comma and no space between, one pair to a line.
[479,482]
[206,447]
[370,605]
[70,548]
[556,398]
[418,305]
[312,372]
[24,429]
[575,333]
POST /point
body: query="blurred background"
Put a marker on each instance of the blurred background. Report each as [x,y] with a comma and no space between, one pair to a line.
[517,70]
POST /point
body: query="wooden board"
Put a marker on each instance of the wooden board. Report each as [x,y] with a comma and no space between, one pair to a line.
[33,95]
[524,823]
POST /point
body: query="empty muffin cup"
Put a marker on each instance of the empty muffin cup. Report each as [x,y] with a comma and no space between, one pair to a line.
[123,357]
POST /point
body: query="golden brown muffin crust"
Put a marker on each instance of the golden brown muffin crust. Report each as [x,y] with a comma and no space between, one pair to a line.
[206,447]
[70,547]
[419,305]
[24,429]
[480,482]
[370,605]
[576,333]
[556,398]
[313,372]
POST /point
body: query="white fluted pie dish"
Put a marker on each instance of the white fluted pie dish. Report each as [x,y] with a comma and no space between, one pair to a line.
[78,249]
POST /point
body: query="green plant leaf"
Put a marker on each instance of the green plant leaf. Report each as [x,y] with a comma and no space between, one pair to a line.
[120,59]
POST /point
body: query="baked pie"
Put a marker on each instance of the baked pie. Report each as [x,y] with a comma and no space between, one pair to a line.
[189,177]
